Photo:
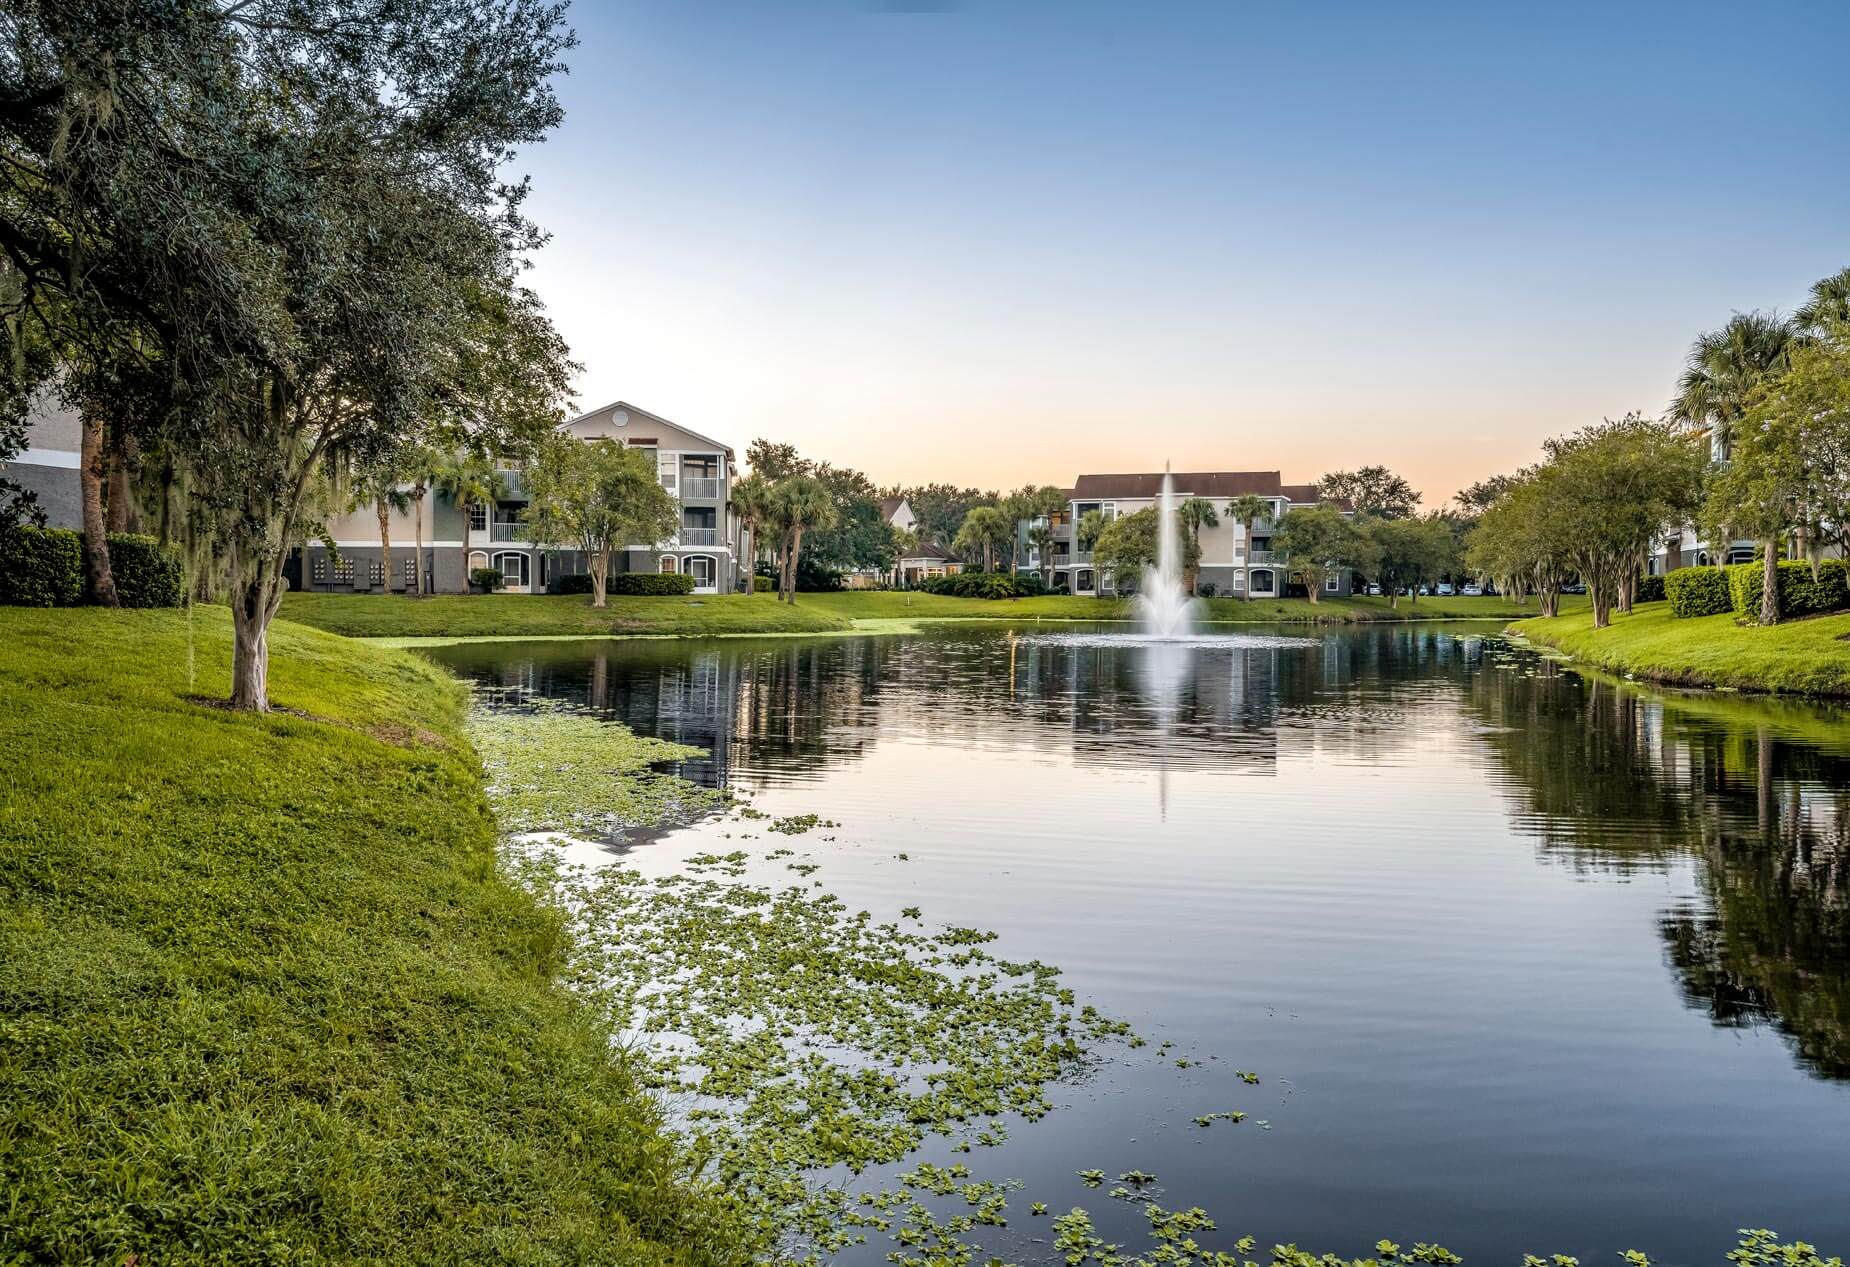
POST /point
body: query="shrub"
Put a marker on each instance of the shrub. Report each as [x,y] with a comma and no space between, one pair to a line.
[985,585]
[1697,591]
[1207,589]
[1800,594]
[486,579]
[147,574]
[573,583]
[1650,590]
[41,567]
[763,584]
[656,584]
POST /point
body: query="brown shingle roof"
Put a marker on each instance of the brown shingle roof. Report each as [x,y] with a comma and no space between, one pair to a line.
[929,550]
[1196,483]
[890,504]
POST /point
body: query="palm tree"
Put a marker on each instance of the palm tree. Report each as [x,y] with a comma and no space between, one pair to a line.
[1196,513]
[984,529]
[386,496]
[1829,303]
[1247,510]
[468,480]
[802,503]
[1724,368]
[1041,538]
[905,541]
[753,503]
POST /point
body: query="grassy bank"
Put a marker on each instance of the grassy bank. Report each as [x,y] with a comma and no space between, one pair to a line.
[535,615]
[264,994]
[1808,657]
[553,615]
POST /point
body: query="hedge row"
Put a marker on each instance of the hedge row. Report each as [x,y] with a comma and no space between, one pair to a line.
[985,585]
[1800,593]
[44,567]
[654,583]
[1650,590]
[1697,591]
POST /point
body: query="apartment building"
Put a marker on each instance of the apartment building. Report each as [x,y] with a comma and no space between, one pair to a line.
[709,544]
[1235,559]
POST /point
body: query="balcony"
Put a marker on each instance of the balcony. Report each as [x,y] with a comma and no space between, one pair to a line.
[507,530]
[702,486]
[698,536]
[1266,558]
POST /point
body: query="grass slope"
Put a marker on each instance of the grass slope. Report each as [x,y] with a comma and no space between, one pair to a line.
[264,995]
[480,615]
[1809,657]
[553,615]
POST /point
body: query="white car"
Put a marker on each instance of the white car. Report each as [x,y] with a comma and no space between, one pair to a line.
[1472,591]
[1445,589]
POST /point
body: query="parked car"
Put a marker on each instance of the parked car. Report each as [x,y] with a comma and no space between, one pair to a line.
[1445,589]
[1374,589]
[1472,591]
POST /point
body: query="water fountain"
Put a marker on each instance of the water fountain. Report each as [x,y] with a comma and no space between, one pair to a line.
[1163,609]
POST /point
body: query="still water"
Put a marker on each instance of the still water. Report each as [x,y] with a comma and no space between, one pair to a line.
[1528,960]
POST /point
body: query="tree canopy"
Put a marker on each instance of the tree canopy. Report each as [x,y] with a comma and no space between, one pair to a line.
[1371,490]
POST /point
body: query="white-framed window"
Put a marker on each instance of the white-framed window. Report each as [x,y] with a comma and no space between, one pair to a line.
[667,564]
[478,516]
[1331,585]
[478,559]
[1239,580]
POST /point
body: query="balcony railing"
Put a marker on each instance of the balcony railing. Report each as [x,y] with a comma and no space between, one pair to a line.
[1266,558]
[701,486]
[506,530]
[699,536]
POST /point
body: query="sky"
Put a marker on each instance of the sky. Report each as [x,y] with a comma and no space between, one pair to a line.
[1007,243]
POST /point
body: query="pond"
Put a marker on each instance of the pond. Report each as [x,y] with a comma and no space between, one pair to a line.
[1528,960]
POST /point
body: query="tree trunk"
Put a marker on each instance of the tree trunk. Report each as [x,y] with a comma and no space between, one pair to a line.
[121,502]
[600,577]
[256,593]
[417,521]
[384,510]
[1769,585]
[1602,604]
[98,579]
[168,479]
[1626,582]
[790,564]
[1311,587]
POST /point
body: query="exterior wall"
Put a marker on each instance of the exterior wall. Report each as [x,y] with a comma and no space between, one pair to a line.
[48,464]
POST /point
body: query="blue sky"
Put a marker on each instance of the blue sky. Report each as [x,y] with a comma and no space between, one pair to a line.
[995,243]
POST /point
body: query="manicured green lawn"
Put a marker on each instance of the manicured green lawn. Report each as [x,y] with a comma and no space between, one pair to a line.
[1802,656]
[490,615]
[264,996]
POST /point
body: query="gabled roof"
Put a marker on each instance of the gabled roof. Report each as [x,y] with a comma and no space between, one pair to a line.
[930,550]
[889,506]
[1307,495]
[1196,483]
[653,417]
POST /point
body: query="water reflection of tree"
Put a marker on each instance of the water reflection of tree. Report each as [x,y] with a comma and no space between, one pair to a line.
[1620,778]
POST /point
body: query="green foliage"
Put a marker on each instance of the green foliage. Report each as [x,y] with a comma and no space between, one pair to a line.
[1321,541]
[1411,552]
[489,579]
[1803,657]
[762,584]
[41,567]
[597,497]
[986,533]
[655,584]
[267,997]
[554,615]
[147,573]
[1128,544]
[1371,490]
[1697,591]
[985,585]
[1649,589]
[1800,593]
[940,509]
[859,537]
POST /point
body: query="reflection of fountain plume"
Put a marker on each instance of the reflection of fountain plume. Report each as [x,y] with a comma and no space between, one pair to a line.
[1163,609]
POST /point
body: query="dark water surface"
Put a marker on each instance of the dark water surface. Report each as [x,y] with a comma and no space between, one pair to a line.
[1527,960]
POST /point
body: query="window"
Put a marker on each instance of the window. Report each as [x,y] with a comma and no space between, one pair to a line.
[1239,580]
[1085,581]
[478,516]
[478,559]
[702,569]
[1331,585]
[513,568]
[667,564]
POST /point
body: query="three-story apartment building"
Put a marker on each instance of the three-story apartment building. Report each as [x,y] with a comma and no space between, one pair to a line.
[1235,559]
[710,544]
